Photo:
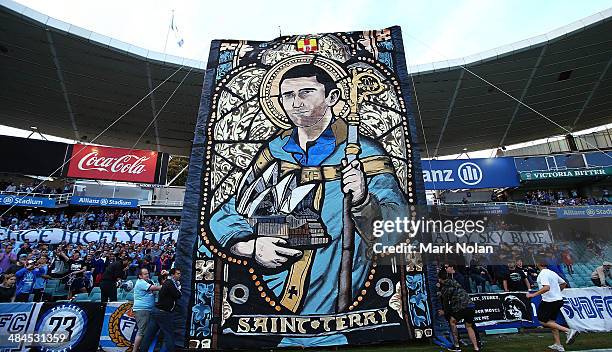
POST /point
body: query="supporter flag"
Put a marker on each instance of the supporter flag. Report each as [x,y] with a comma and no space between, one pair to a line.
[175,30]
[307,45]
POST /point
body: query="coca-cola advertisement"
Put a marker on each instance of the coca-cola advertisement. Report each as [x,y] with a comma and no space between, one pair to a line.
[116,164]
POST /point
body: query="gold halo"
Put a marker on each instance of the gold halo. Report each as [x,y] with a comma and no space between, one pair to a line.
[269,88]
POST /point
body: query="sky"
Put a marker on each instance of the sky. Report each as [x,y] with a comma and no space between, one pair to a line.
[432,30]
[450,29]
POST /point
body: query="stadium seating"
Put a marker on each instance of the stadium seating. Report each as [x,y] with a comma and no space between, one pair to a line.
[585,262]
[60,292]
[49,291]
[95,296]
[81,297]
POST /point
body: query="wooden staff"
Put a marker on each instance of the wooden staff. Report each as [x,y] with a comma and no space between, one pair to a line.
[363,83]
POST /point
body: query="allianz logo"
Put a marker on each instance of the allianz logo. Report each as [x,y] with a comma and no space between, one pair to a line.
[468,173]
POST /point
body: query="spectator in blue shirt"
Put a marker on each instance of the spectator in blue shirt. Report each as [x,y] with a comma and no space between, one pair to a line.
[40,278]
[156,251]
[553,263]
[144,301]
[25,282]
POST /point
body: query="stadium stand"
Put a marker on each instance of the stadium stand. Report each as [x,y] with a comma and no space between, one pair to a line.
[72,219]
[55,278]
[58,282]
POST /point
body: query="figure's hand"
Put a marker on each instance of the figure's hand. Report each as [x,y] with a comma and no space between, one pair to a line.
[530,295]
[440,312]
[353,181]
[269,251]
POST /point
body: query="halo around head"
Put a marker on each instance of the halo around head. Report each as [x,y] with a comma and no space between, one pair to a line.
[269,90]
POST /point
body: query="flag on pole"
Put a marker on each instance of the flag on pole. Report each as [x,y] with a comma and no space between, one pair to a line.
[175,30]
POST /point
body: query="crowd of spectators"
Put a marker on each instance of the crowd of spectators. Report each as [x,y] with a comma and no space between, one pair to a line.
[11,187]
[26,267]
[559,198]
[100,219]
[480,278]
[507,269]
[160,223]
[547,197]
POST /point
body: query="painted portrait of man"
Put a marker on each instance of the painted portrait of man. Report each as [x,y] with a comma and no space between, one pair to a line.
[305,280]
[304,154]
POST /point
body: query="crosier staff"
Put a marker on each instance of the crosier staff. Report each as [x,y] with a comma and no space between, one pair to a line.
[363,83]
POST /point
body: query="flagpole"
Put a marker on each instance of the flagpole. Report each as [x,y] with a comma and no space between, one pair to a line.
[168,32]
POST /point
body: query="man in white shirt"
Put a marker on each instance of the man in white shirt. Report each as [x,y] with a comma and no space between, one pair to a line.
[551,285]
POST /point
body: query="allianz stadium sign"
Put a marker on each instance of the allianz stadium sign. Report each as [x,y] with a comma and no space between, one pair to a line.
[469,173]
[23,201]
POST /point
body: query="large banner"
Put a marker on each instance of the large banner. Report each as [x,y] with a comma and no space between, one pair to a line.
[588,309]
[54,236]
[17,321]
[503,307]
[530,238]
[470,173]
[78,326]
[67,326]
[50,326]
[119,328]
[301,143]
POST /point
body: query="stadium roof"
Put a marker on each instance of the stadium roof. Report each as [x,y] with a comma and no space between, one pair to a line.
[72,83]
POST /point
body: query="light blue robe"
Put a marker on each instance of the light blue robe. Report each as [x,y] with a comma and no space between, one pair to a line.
[229,227]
